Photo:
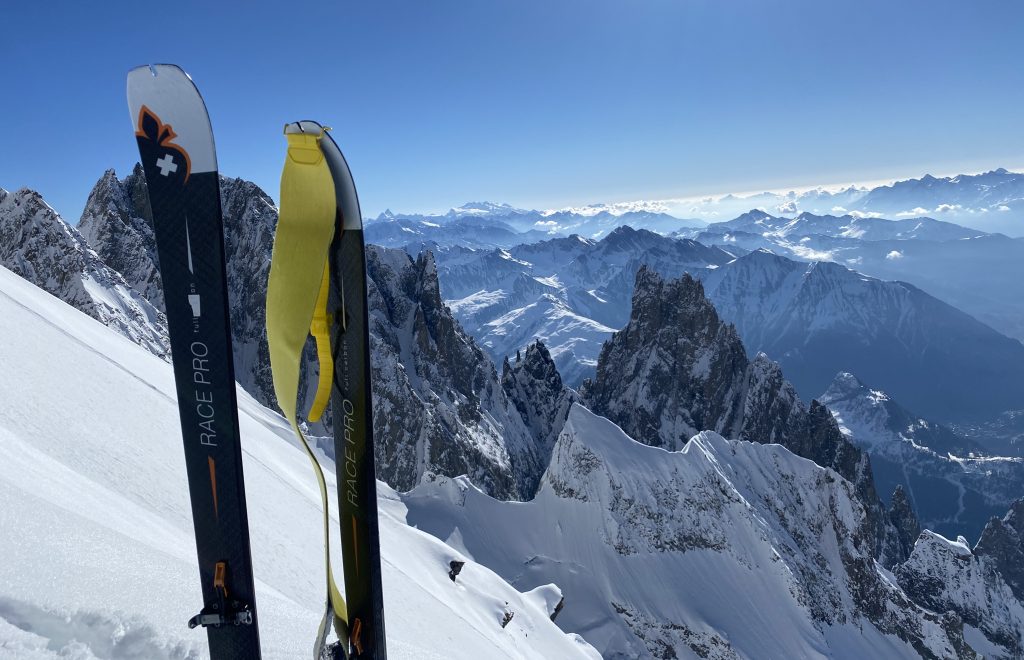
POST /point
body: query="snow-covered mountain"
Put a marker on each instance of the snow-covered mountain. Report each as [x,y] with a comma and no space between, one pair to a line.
[442,411]
[846,226]
[722,550]
[118,225]
[953,490]
[983,586]
[98,550]
[677,369]
[655,551]
[814,318]
[490,225]
[570,292]
[982,274]
[37,244]
[478,232]
[821,318]
[991,201]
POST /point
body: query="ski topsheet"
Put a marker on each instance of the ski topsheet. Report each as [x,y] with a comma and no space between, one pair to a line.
[176,147]
[351,399]
[352,412]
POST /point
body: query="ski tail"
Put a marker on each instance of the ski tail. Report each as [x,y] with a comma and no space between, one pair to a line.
[177,152]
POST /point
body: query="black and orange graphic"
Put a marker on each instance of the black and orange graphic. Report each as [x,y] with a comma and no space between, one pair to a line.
[160,137]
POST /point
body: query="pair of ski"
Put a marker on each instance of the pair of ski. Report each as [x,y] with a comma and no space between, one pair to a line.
[176,147]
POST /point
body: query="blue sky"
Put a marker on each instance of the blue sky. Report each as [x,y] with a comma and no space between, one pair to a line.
[537,103]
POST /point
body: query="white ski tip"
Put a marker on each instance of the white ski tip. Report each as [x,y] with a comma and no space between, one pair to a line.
[168,93]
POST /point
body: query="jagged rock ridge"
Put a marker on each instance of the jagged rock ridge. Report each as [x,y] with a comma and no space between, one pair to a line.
[677,369]
[439,404]
[37,244]
[118,225]
[983,587]
[724,549]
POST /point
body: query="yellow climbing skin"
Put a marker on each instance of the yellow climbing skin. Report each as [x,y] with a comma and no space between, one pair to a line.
[297,307]
[320,328]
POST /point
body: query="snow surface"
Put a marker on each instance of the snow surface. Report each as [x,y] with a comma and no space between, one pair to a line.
[696,551]
[98,550]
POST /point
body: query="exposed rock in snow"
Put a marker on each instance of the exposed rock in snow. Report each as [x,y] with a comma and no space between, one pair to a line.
[1002,542]
[118,224]
[570,292]
[712,551]
[946,576]
[535,388]
[439,405]
[37,244]
[677,369]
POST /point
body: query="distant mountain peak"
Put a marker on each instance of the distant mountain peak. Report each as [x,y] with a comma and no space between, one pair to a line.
[484,208]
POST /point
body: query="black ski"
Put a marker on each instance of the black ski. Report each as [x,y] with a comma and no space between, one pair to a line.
[177,151]
[352,410]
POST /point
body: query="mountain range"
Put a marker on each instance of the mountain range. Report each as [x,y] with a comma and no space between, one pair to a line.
[990,202]
[978,272]
[815,318]
[708,488]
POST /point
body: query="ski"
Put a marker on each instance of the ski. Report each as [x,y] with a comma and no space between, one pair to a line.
[352,412]
[176,147]
[352,402]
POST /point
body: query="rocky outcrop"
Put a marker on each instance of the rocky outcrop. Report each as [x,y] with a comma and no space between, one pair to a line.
[677,369]
[37,244]
[535,389]
[439,405]
[118,225]
[947,576]
[904,520]
[1002,543]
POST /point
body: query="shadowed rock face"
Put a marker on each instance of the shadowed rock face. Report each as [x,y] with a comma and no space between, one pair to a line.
[1002,542]
[439,405]
[903,518]
[534,387]
[677,369]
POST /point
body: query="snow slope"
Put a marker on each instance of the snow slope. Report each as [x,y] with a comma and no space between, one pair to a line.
[98,551]
[712,551]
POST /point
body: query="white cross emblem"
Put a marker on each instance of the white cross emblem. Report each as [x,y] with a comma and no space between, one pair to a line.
[166,165]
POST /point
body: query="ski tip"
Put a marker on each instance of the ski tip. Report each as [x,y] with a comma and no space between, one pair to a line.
[167,94]
[156,69]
